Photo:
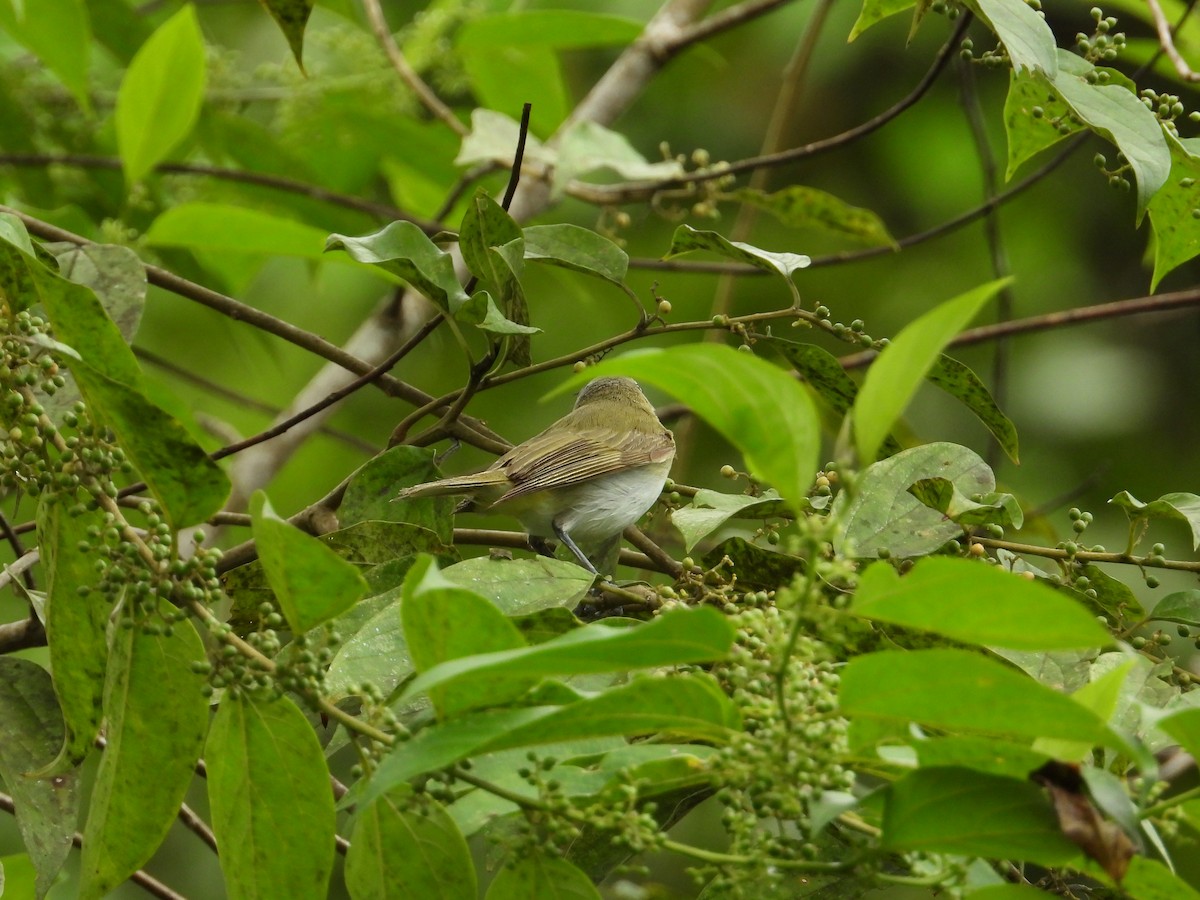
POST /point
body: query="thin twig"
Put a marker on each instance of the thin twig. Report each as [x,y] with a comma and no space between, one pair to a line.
[197,826]
[407,73]
[1167,42]
[384,211]
[18,548]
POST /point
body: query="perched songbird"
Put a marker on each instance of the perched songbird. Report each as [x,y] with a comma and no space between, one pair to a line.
[584,479]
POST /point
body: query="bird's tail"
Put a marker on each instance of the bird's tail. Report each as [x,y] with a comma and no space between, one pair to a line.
[460,484]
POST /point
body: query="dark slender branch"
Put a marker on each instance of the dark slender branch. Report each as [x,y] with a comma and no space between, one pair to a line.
[22,635]
[148,883]
[661,559]
[14,541]
[1079,316]
[514,176]
[376,210]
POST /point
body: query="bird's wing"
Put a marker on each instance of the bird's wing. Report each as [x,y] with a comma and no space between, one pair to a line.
[559,458]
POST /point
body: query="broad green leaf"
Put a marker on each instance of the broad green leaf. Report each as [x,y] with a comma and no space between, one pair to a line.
[981,509]
[505,76]
[758,567]
[13,231]
[1180,507]
[686,705]
[1035,117]
[711,509]
[160,96]
[561,28]
[967,813]
[189,486]
[451,623]
[375,651]
[821,370]
[157,719]
[402,845]
[874,11]
[59,34]
[403,249]
[687,239]
[1100,696]
[1026,36]
[677,637]
[18,877]
[1116,114]
[883,515]
[576,248]
[973,693]
[291,16]
[31,734]
[225,228]
[588,147]
[961,383]
[986,755]
[1149,879]
[272,805]
[375,543]
[1183,726]
[1173,211]
[486,224]
[114,273]
[75,627]
[1181,607]
[977,604]
[1113,597]
[374,486]
[541,875]
[523,586]
[312,583]
[755,406]
[1007,892]
[493,138]
[896,374]
[482,312]
[805,207]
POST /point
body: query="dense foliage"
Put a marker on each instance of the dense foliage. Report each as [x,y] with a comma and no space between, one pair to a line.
[869,662]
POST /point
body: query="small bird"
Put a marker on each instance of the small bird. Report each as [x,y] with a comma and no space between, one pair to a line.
[584,479]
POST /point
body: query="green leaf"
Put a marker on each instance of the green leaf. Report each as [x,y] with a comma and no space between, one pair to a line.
[1172,211]
[443,623]
[1181,607]
[401,845]
[482,312]
[17,875]
[976,604]
[75,627]
[875,11]
[374,651]
[225,228]
[1149,879]
[378,543]
[687,239]
[1180,507]
[403,249]
[982,509]
[897,372]
[968,813]
[981,754]
[755,406]
[157,719]
[960,382]
[523,586]
[711,509]
[486,224]
[687,705]
[1116,114]
[973,693]
[189,486]
[1028,131]
[677,637]
[1026,36]
[31,733]
[505,76]
[805,207]
[759,568]
[160,96]
[59,35]
[1113,596]
[533,876]
[1101,696]
[576,248]
[821,370]
[114,273]
[291,16]
[272,806]
[588,147]
[493,138]
[883,515]
[312,583]
[373,487]
[560,28]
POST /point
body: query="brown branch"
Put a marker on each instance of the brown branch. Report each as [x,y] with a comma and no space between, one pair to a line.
[407,73]
[384,211]
[1080,316]
[724,20]
[1167,42]
[22,635]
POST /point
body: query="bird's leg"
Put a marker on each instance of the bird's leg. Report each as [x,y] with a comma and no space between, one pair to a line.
[566,539]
